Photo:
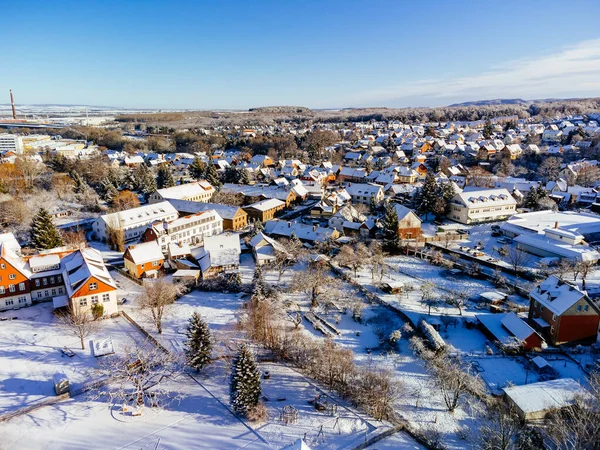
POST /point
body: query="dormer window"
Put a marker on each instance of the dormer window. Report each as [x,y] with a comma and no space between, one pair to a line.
[93,286]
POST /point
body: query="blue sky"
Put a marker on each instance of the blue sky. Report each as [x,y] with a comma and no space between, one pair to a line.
[320,54]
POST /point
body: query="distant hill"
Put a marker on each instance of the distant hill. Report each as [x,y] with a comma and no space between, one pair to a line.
[499,101]
[280,109]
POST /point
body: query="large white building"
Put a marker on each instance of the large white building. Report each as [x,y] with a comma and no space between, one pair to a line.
[186,230]
[10,142]
[481,205]
[200,191]
[133,222]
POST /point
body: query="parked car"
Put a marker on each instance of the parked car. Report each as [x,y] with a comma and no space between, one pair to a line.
[504,240]
[496,233]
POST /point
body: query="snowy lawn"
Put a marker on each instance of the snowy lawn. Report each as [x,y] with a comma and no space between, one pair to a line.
[30,354]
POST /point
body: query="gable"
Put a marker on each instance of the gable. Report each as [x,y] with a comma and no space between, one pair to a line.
[84,290]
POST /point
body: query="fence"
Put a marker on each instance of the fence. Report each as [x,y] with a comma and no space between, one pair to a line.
[144,332]
[126,274]
[29,408]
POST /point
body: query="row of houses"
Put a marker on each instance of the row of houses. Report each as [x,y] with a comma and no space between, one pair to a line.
[74,278]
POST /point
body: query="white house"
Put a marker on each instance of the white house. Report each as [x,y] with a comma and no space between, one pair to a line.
[199,191]
[133,222]
[481,205]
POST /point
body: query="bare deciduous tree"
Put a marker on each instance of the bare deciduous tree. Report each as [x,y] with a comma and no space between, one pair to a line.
[376,391]
[138,376]
[454,380]
[353,257]
[156,297]
[78,322]
[428,297]
[517,258]
[501,428]
[316,283]
[577,427]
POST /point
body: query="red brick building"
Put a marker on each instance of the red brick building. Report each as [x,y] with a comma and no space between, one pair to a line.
[563,313]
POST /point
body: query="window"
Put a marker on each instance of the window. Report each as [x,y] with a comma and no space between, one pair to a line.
[60,290]
[553,317]
[46,293]
[45,281]
[155,263]
[578,307]
[83,302]
[9,302]
[21,286]
[105,298]
[11,288]
[51,280]
[3,266]
[552,329]
[93,286]
[53,292]
[2,290]
[12,276]
[541,308]
[586,307]
[22,299]
[59,278]
[39,294]
[94,299]
[37,282]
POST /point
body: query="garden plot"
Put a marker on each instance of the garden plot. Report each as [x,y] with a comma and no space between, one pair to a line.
[197,421]
[30,354]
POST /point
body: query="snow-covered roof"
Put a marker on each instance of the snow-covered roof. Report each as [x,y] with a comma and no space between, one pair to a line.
[556,295]
[141,215]
[303,232]
[224,249]
[484,197]
[145,252]
[266,205]
[545,395]
[557,248]
[191,207]
[82,265]
[186,190]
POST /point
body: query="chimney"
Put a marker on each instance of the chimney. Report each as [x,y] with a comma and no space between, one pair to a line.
[555,224]
[12,103]
[289,224]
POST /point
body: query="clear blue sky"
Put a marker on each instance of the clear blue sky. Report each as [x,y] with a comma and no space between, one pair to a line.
[239,54]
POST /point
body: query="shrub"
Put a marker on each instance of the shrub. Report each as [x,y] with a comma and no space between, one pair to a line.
[97,311]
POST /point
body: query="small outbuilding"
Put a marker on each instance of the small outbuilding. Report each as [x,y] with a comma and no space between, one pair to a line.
[533,401]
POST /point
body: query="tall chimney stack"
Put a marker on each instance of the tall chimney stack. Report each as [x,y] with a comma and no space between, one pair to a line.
[12,103]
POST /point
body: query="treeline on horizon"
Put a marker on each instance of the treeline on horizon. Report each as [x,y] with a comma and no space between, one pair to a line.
[276,115]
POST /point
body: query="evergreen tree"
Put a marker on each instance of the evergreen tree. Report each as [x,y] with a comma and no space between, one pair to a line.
[198,345]
[164,178]
[391,240]
[44,234]
[197,169]
[144,180]
[243,177]
[372,205]
[108,191]
[212,176]
[259,290]
[428,195]
[245,381]
[488,129]
[81,186]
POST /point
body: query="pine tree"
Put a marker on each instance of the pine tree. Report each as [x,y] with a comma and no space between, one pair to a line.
[44,234]
[197,169]
[164,178]
[212,176]
[108,190]
[80,185]
[145,182]
[243,177]
[391,240]
[372,205]
[198,345]
[259,290]
[428,195]
[245,381]
[488,129]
